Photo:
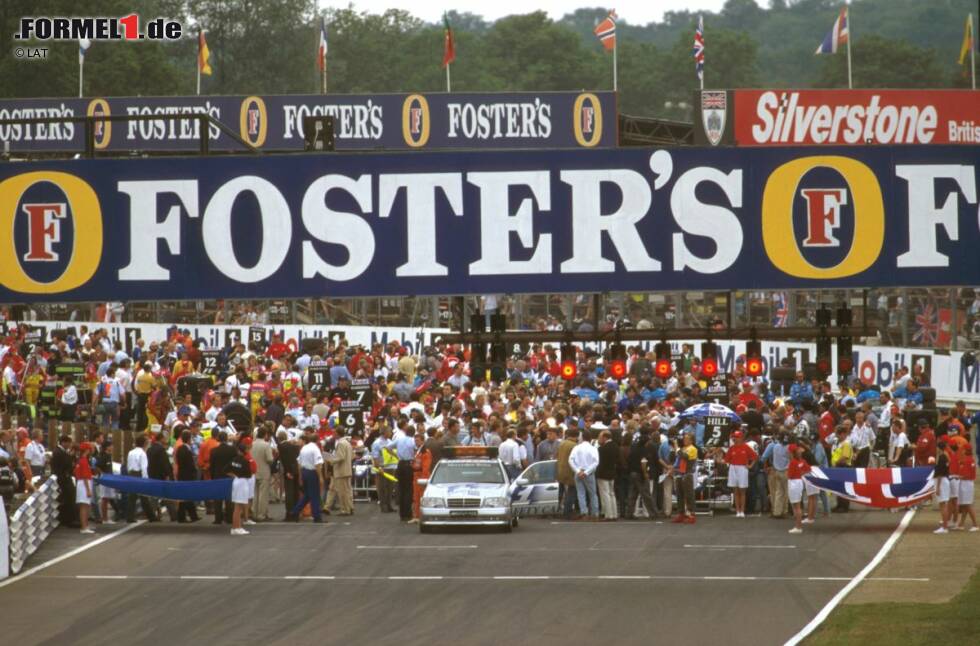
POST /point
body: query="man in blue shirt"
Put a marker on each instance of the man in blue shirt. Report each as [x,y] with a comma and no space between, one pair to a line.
[776,460]
[801,390]
[405,450]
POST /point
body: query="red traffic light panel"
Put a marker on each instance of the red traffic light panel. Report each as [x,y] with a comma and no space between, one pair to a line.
[709,359]
[753,359]
[664,368]
[617,361]
[569,369]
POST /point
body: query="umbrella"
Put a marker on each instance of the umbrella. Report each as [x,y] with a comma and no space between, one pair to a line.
[710,410]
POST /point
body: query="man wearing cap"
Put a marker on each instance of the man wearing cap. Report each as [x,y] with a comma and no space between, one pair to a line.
[404,448]
[740,457]
[925,444]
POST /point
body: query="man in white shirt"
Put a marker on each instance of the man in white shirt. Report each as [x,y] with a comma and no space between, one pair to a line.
[897,441]
[862,440]
[509,453]
[584,459]
[35,454]
[310,463]
[136,466]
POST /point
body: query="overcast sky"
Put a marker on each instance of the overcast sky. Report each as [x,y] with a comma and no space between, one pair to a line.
[637,12]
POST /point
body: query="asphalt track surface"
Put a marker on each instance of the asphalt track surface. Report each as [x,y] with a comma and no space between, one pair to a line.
[369,579]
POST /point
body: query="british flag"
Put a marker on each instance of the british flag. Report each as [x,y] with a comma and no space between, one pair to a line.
[699,48]
[780,313]
[881,488]
[933,326]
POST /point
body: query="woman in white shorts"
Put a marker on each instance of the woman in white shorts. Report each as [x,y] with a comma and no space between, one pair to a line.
[941,475]
[240,473]
[798,467]
[968,474]
[103,463]
[83,486]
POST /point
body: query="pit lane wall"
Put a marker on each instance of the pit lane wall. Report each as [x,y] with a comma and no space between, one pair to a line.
[874,364]
[536,221]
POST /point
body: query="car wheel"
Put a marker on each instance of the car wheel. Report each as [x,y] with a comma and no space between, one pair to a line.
[424,529]
[508,528]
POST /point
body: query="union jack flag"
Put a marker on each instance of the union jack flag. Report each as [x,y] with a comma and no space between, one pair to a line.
[881,488]
[933,325]
[699,48]
[780,315]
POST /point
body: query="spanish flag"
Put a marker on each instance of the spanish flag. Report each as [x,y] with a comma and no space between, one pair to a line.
[203,55]
[967,45]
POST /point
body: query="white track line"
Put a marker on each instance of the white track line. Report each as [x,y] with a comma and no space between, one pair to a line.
[416,547]
[833,603]
[68,555]
[744,547]
[519,577]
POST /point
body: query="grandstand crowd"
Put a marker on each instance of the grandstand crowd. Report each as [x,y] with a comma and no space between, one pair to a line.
[622,451]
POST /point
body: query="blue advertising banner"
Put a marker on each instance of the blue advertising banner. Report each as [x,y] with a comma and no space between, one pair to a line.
[632,220]
[361,122]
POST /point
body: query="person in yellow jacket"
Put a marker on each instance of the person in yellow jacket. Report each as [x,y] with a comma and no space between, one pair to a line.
[842,456]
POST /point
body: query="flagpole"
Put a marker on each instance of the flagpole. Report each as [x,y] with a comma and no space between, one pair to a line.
[973,56]
[850,37]
[199,76]
[81,73]
[449,84]
[615,79]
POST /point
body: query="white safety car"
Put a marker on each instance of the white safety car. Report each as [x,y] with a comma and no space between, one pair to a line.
[467,487]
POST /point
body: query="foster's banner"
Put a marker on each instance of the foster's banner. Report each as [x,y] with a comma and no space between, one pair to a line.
[848,117]
[361,122]
[477,223]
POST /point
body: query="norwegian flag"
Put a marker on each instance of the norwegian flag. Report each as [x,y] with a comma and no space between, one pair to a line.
[780,314]
[699,48]
[881,488]
[605,31]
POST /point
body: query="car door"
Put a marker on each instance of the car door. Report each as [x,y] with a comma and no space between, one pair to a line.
[540,495]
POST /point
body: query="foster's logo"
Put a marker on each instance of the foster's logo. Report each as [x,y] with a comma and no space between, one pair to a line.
[415,120]
[253,121]
[56,222]
[587,120]
[823,217]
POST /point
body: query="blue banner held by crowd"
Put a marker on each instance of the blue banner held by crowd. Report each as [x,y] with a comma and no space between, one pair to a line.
[193,490]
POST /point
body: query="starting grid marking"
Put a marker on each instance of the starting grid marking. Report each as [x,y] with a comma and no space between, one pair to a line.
[572,577]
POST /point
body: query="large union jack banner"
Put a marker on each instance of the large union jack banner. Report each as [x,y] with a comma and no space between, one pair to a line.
[882,488]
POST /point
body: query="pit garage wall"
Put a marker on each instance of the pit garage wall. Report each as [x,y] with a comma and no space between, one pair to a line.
[875,364]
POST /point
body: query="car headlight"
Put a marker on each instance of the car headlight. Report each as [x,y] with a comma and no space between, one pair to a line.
[433,502]
[495,502]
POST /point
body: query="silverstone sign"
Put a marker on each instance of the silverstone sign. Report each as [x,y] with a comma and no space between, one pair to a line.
[480,223]
[851,117]
[361,122]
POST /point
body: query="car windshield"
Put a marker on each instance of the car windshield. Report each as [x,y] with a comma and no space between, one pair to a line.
[449,473]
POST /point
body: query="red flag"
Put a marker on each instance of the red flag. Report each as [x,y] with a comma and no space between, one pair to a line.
[605,31]
[449,51]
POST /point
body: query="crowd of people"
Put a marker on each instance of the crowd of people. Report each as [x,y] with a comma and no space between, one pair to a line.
[621,446]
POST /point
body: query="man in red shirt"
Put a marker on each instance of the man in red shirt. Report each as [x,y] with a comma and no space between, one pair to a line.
[925,445]
[740,457]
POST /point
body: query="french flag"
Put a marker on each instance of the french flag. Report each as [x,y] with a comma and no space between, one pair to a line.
[837,36]
[321,57]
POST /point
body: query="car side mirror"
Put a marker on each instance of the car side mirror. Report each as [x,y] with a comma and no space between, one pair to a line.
[422,482]
[523,482]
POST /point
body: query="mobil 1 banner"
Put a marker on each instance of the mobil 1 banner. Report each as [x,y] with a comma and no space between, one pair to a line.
[351,417]
[361,122]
